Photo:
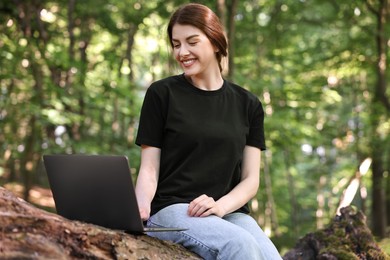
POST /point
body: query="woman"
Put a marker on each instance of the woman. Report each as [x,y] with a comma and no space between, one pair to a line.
[201,139]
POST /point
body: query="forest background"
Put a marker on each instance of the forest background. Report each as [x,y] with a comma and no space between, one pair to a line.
[73,75]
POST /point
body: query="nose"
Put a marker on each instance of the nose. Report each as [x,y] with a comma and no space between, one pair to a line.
[183,51]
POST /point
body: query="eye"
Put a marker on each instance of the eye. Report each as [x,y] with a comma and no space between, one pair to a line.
[192,43]
[175,45]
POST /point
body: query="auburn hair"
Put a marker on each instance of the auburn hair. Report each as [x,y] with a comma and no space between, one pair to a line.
[203,18]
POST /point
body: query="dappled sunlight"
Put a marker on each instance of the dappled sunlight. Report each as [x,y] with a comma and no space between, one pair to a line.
[354,184]
[73,81]
[42,197]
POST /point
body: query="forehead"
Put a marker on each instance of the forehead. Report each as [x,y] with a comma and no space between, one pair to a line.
[182,32]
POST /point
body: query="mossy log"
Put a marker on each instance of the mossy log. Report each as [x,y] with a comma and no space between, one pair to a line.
[27,232]
[347,237]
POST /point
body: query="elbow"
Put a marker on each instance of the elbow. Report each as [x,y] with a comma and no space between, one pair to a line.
[253,188]
[256,184]
[253,193]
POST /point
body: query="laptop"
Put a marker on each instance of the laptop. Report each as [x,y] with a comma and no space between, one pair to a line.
[96,189]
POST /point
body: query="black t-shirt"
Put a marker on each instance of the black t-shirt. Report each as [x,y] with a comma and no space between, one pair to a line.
[201,134]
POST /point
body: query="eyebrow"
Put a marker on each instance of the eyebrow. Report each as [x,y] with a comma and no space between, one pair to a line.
[188,38]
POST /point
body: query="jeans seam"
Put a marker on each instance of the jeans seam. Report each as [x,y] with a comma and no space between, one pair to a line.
[212,251]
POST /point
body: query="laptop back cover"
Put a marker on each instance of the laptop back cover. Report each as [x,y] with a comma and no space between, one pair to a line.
[94,188]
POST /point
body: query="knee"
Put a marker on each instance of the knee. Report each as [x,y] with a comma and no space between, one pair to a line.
[240,240]
[241,246]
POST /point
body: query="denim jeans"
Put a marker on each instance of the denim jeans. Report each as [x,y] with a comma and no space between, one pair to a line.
[235,236]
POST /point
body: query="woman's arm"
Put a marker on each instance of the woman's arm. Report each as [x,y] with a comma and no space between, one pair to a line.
[147,179]
[247,188]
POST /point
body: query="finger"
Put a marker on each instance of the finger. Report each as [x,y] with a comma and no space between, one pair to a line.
[195,204]
[213,209]
[208,213]
[198,211]
[200,198]
[144,215]
[200,207]
[195,209]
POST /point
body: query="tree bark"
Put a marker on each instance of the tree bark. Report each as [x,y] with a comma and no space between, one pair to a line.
[291,192]
[380,105]
[346,237]
[270,199]
[231,27]
[27,232]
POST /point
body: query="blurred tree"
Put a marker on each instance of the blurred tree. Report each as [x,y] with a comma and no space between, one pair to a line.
[73,75]
[380,107]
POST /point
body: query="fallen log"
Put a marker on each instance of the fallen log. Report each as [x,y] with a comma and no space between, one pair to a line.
[27,232]
[346,237]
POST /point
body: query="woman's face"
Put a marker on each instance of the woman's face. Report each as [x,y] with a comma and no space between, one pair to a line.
[193,50]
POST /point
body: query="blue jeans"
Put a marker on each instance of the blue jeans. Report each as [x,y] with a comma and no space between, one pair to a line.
[235,236]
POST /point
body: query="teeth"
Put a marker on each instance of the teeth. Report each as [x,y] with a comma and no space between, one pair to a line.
[187,62]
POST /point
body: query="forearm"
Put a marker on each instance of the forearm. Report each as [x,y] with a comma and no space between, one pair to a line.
[145,189]
[147,179]
[239,196]
[249,184]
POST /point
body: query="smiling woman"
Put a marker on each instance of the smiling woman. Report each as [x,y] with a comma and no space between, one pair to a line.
[199,17]
[197,57]
[201,139]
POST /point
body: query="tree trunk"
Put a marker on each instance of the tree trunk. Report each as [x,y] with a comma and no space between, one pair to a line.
[221,12]
[291,191]
[347,237]
[271,205]
[27,232]
[380,104]
[231,27]
[379,218]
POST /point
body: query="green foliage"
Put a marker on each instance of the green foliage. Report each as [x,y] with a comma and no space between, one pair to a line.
[385,245]
[72,80]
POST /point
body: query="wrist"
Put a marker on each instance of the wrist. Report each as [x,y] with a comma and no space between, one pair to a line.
[221,209]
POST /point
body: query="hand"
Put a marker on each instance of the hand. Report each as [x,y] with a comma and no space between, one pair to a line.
[204,206]
[145,214]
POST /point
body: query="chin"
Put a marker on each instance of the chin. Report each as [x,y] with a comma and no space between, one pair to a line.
[190,73]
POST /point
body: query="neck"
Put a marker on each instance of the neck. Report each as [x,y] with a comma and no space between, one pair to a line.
[210,82]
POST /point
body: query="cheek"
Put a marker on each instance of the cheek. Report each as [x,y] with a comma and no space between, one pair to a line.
[175,54]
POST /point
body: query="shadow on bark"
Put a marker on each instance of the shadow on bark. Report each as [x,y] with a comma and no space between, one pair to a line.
[27,232]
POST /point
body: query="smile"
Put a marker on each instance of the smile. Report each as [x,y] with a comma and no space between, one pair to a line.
[188,62]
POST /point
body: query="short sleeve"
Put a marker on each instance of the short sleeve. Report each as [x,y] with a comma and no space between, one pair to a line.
[256,136]
[151,124]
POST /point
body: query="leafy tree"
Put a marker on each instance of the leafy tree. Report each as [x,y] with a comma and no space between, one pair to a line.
[73,75]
